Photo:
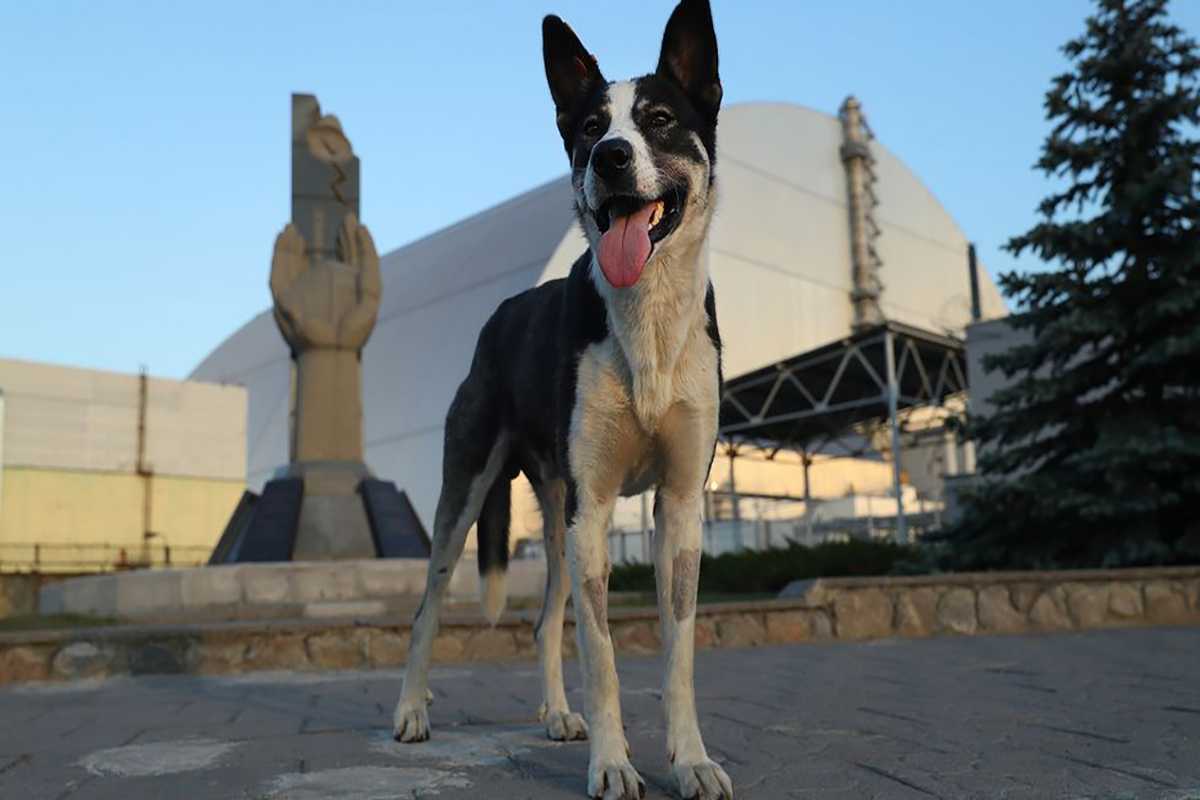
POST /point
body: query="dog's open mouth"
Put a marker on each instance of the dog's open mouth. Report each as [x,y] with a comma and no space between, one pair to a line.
[630,227]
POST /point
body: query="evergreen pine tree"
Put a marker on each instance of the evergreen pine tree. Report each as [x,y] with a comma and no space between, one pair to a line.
[1092,456]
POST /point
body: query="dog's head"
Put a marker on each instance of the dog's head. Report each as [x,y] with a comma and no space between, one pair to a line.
[642,151]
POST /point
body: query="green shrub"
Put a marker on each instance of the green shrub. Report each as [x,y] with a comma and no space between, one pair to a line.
[768,571]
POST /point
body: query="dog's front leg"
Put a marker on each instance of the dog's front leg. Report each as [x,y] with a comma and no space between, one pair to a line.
[605,442]
[610,773]
[678,509]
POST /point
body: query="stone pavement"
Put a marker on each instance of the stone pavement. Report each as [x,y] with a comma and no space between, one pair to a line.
[1105,714]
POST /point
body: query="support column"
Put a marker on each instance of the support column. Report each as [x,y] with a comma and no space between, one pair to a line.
[893,392]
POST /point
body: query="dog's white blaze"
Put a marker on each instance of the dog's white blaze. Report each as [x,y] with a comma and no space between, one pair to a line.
[621,98]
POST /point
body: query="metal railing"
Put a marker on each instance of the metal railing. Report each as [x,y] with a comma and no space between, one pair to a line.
[731,536]
[97,556]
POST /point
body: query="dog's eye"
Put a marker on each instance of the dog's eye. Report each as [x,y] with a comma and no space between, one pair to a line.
[661,119]
[591,127]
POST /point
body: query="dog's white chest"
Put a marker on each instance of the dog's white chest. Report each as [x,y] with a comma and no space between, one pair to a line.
[638,378]
[616,431]
[661,346]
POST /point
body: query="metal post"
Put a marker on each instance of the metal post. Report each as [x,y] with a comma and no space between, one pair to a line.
[808,515]
[737,505]
[893,392]
[646,559]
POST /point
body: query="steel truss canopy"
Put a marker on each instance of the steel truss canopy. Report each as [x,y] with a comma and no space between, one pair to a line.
[816,397]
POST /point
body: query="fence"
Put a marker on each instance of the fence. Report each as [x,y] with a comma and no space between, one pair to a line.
[97,557]
[762,533]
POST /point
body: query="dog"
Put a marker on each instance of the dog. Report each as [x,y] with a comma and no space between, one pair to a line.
[601,384]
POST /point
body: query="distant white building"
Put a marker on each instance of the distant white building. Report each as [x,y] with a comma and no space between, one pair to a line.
[779,256]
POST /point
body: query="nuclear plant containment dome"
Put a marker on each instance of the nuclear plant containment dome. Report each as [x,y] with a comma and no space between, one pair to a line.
[779,255]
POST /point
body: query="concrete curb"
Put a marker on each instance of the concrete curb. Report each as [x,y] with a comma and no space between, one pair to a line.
[846,609]
[285,590]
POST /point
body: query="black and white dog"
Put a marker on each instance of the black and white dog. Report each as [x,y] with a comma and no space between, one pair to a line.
[603,384]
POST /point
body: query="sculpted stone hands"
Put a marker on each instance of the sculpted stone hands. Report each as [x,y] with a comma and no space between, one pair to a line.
[323,303]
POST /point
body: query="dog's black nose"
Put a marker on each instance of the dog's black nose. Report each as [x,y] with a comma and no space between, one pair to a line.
[611,157]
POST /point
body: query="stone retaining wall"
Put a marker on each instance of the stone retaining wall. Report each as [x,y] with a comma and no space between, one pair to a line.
[821,610]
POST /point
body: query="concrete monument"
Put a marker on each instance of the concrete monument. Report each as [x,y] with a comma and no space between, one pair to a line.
[326,288]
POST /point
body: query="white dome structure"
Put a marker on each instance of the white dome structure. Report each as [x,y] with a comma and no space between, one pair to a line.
[779,256]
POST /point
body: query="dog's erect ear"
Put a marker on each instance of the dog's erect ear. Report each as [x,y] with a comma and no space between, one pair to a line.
[689,55]
[571,70]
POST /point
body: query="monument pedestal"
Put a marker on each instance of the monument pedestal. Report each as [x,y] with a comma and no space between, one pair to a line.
[323,511]
[333,517]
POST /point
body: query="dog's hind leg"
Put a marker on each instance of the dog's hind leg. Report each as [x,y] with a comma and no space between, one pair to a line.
[561,723]
[474,454]
[687,438]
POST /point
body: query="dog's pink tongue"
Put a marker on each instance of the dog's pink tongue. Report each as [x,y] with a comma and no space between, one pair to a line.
[624,248]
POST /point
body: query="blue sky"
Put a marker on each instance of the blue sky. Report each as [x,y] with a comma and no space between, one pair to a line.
[145,146]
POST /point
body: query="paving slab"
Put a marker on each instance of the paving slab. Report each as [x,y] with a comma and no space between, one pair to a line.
[1103,714]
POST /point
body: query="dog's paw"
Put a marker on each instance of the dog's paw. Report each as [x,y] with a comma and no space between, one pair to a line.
[411,722]
[615,781]
[704,780]
[564,726]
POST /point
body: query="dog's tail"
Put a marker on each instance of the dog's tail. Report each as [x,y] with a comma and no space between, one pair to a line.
[492,534]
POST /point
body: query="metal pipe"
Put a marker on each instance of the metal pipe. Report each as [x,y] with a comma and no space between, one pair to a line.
[973,269]
[143,468]
[893,398]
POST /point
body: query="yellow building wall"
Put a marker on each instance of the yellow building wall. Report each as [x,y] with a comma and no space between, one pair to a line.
[83,519]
